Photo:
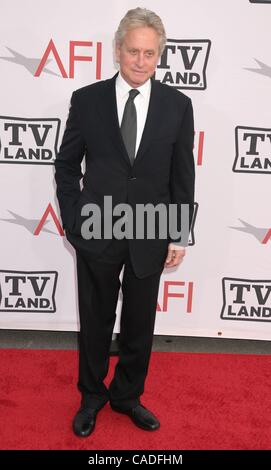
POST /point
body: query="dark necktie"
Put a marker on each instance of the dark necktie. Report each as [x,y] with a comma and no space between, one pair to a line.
[129,125]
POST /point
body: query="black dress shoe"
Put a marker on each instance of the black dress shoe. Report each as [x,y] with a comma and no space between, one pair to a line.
[84,421]
[141,417]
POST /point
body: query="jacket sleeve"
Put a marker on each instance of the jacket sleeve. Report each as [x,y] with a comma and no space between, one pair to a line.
[182,177]
[68,167]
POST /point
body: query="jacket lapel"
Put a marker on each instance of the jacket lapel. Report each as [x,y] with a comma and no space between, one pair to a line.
[109,114]
[153,118]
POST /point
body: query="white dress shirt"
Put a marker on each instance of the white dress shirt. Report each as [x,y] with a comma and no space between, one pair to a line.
[142,104]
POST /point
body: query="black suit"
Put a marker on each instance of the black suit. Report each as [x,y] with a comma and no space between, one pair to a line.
[163,172]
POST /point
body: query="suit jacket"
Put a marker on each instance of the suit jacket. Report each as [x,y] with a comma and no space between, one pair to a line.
[163,171]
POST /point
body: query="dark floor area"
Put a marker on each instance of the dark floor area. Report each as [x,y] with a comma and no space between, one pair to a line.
[27,339]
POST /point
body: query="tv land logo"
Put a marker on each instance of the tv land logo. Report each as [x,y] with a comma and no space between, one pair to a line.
[31,141]
[183,64]
[36,66]
[262,234]
[28,291]
[252,150]
[246,300]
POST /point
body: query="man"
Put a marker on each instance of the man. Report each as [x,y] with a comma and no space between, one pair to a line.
[136,135]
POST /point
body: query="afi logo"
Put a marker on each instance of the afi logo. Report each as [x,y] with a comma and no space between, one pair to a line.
[262,234]
[51,50]
[183,64]
[28,140]
[246,300]
[36,66]
[35,226]
[253,150]
[199,147]
[183,291]
[24,291]
[43,221]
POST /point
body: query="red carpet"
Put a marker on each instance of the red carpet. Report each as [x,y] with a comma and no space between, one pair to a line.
[204,401]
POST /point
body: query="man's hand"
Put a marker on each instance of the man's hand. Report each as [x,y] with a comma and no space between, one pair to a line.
[175,255]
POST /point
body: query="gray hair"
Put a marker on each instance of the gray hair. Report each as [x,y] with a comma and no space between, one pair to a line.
[138,18]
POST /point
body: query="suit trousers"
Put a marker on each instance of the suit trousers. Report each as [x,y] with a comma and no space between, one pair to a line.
[98,291]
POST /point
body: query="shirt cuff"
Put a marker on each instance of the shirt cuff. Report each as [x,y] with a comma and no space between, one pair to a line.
[176,247]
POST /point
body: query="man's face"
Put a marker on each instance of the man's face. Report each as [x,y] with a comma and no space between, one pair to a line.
[138,55]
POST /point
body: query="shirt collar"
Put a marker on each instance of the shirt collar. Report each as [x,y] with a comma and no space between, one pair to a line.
[123,87]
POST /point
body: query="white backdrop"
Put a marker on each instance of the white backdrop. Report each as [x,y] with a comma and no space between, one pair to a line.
[223,288]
